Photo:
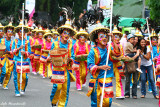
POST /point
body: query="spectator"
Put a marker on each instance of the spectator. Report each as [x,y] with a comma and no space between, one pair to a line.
[146,64]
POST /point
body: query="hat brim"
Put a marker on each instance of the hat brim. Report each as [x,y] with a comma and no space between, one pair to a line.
[82,33]
[20,27]
[40,31]
[96,30]
[7,27]
[47,34]
[60,30]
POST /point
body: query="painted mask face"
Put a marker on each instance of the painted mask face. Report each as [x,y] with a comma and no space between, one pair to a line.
[154,41]
[102,37]
[55,36]
[20,33]
[40,35]
[82,39]
[66,34]
[9,32]
[1,33]
[49,38]
[116,38]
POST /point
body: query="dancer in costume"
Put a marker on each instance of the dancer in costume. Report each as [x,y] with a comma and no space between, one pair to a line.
[18,50]
[81,50]
[60,90]
[117,65]
[44,56]
[32,43]
[96,62]
[37,54]
[7,59]
[56,36]
[1,31]
[155,52]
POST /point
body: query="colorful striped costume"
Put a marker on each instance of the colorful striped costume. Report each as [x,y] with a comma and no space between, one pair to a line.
[17,65]
[97,57]
[60,91]
[7,63]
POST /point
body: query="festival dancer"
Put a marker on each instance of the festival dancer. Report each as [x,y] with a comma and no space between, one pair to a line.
[117,65]
[81,48]
[18,50]
[7,59]
[155,51]
[96,62]
[44,56]
[1,31]
[60,90]
[32,43]
[37,54]
[56,36]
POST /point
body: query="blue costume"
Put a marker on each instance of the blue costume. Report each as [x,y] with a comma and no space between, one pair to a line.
[17,57]
[97,57]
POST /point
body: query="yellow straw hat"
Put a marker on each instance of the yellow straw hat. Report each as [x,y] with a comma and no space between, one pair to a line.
[82,32]
[138,33]
[66,26]
[34,30]
[47,32]
[115,31]
[20,27]
[8,26]
[1,26]
[98,29]
[153,34]
[40,30]
[54,32]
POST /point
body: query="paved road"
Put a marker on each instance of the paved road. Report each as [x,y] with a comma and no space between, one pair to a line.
[38,92]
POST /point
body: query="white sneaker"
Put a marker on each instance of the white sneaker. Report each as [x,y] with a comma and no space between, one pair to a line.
[79,89]
[35,73]
[44,77]
[0,84]
[83,85]
[121,97]
[17,95]
[22,92]
[5,88]
[138,86]
[139,70]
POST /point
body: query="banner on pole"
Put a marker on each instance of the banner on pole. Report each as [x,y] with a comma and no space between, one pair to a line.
[30,6]
[104,4]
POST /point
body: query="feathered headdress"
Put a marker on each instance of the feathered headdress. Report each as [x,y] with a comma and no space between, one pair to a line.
[95,15]
[137,24]
[115,20]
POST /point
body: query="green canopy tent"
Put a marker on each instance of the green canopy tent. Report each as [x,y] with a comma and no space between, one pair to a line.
[125,22]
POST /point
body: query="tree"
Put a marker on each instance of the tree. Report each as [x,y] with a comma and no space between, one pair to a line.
[154,6]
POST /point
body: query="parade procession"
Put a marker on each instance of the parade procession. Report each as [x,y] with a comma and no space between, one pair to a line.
[101,56]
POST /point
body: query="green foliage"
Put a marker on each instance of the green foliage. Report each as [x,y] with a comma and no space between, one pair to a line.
[154,6]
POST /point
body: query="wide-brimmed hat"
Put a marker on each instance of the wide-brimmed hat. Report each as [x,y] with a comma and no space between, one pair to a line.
[34,30]
[153,34]
[40,30]
[138,33]
[99,28]
[1,26]
[116,31]
[82,32]
[47,32]
[66,26]
[8,26]
[54,32]
[20,27]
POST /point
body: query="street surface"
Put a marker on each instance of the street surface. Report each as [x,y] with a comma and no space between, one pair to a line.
[38,95]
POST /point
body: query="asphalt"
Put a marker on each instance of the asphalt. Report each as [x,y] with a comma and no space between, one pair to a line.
[38,95]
